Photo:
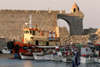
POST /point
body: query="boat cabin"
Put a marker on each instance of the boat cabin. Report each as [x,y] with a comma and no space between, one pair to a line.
[39,37]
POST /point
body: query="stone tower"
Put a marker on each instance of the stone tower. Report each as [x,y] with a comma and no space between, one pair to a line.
[75,8]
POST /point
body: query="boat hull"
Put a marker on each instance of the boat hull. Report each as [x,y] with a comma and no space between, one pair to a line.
[26,57]
[99,61]
[45,57]
[87,60]
[5,52]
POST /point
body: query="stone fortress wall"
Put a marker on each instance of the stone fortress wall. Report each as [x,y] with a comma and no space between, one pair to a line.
[12,21]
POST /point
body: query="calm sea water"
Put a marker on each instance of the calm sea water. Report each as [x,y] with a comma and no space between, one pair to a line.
[5,62]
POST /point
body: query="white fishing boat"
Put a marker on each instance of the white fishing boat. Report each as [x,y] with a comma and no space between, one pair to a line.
[87,60]
[48,57]
[99,61]
[96,60]
[68,53]
[39,57]
[87,55]
[5,50]
[26,56]
[52,53]
[44,54]
[43,57]
[57,56]
[64,59]
[67,60]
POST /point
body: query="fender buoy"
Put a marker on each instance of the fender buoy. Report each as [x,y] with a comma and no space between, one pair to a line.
[17,46]
[10,45]
[16,50]
[57,48]
[75,48]
[84,55]
[66,53]
[29,47]
[42,33]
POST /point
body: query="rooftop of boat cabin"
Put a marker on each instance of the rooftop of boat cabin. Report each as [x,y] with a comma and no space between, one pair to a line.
[26,27]
[34,29]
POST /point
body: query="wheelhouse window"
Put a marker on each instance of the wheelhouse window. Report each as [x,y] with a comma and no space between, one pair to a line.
[26,31]
[30,32]
[33,32]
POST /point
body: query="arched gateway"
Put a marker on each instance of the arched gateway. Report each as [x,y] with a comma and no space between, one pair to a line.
[74,19]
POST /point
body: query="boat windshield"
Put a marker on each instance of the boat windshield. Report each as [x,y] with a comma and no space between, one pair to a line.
[32,32]
[26,31]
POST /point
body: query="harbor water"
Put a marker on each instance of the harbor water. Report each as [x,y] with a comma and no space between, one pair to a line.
[6,61]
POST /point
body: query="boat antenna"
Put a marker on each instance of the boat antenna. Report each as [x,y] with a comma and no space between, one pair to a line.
[55,27]
[30,22]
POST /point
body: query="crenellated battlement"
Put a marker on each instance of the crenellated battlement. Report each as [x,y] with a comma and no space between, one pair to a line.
[32,11]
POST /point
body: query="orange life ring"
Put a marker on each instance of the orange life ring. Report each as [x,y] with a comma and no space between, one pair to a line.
[22,40]
[75,48]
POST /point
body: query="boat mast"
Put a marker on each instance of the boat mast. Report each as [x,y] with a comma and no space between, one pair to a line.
[55,28]
[30,22]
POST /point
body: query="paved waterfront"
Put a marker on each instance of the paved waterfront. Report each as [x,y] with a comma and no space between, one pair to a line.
[6,62]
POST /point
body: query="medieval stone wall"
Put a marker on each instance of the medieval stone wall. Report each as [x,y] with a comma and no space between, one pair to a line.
[12,21]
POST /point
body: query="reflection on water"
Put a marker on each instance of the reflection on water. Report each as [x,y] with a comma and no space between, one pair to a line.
[90,65]
[27,64]
[34,63]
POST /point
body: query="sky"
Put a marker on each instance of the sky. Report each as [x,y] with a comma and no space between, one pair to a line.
[90,8]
